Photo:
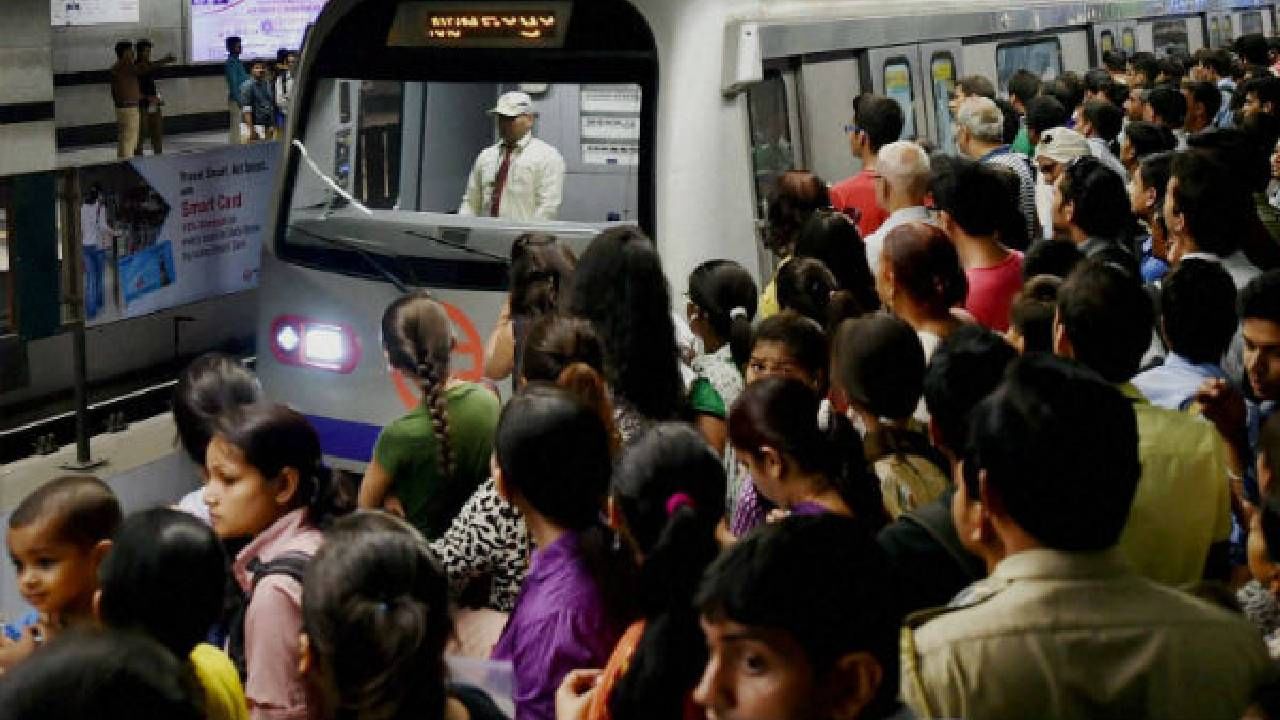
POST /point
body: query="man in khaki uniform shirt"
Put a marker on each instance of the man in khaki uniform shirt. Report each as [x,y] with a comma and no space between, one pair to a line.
[1063,628]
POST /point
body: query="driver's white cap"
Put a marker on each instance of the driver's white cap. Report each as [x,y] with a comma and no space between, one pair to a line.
[513,104]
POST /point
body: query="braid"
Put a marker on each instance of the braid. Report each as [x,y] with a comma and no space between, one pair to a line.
[438,406]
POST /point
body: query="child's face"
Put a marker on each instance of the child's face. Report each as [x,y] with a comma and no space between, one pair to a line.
[242,503]
[771,359]
[55,576]
[755,672]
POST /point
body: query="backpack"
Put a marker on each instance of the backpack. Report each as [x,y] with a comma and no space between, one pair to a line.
[290,564]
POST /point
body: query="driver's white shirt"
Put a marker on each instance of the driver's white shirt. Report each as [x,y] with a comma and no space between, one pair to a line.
[534,187]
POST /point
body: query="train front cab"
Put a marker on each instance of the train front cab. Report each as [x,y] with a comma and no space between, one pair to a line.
[391,113]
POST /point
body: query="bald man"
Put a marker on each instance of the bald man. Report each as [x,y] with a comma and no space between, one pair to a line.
[902,180]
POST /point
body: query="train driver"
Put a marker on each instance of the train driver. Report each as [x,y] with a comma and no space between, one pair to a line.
[519,177]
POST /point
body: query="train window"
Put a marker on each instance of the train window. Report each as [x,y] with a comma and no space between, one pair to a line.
[1228,32]
[1170,37]
[1251,22]
[772,150]
[378,133]
[1128,41]
[1215,32]
[1108,41]
[942,73]
[897,85]
[1041,56]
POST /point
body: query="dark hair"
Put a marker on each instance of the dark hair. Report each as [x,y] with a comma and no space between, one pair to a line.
[556,453]
[1098,80]
[1171,68]
[417,336]
[1259,300]
[1215,59]
[1010,117]
[1024,85]
[1045,112]
[1244,152]
[1011,223]
[274,437]
[1102,206]
[834,239]
[1252,48]
[1154,171]
[620,287]
[81,509]
[169,554]
[1149,138]
[211,385]
[282,54]
[540,269]
[879,363]
[1114,60]
[1266,87]
[1032,311]
[1108,318]
[1058,444]
[1066,89]
[822,580]
[1207,94]
[1211,199]
[231,41]
[106,675]
[926,266]
[880,118]
[970,192]
[1051,257]
[123,47]
[805,285]
[966,367]
[1117,94]
[1168,105]
[1263,130]
[375,607]
[670,488]
[1106,118]
[556,342]
[1198,310]
[143,43]
[718,288]
[796,196]
[782,413]
[977,85]
[1147,64]
[803,338]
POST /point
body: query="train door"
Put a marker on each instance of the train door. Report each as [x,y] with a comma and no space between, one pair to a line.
[1252,21]
[941,65]
[828,86]
[776,145]
[898,73]
[1172,35]
[1106,38]
[1128,30]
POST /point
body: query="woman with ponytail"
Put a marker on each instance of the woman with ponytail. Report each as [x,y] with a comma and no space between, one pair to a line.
[541,272]
[666,499]
[554,461]
[797,465]
[267,482]
[375,621]
[426,464]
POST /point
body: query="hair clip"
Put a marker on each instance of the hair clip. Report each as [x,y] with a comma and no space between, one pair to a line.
[679,500]
[738,312]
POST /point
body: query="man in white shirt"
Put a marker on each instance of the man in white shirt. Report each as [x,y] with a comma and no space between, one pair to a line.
[520,177]
[902,180]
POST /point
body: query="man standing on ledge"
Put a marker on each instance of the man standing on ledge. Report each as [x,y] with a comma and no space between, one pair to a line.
[520,177]
[236,76]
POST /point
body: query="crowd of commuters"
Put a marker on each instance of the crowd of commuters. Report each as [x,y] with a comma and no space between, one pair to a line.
[997,440]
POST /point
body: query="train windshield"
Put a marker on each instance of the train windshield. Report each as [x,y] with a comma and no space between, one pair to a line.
[434,133]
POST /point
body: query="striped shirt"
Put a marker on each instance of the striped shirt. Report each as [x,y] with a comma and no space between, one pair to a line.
[1021,167]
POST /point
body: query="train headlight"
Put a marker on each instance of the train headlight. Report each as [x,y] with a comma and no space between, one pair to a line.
[303,342]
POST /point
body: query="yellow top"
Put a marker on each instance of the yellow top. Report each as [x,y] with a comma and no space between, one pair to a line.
[223,693]
[768,305]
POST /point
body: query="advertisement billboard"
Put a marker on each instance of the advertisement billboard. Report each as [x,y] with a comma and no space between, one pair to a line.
[264,26]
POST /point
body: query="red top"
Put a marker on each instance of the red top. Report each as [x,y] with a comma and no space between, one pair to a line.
[858,193]
[991,291]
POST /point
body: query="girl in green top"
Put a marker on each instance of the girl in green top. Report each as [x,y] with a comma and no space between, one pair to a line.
[426,464]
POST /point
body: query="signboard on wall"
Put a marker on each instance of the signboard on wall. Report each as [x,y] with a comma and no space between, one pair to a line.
[264,26]
[93,12]
[168,230]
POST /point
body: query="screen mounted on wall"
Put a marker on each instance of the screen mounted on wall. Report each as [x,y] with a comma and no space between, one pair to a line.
[264,26]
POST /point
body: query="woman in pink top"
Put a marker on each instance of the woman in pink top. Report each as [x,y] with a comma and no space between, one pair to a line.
[978,208]
[266,481]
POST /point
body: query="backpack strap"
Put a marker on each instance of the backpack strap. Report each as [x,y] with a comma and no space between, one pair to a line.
[290,564]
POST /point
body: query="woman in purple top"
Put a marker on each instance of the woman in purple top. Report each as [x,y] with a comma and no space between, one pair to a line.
[797,465]
[554,464]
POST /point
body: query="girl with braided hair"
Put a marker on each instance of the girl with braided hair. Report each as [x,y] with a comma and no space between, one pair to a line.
[426,464]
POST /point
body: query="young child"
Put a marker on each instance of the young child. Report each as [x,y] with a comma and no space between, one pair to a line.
[554,464]
[375,611]
[426,464]
[722,303]
[267,482]
[667,497]
[1260,597]
[58,535]
[801,623]
[163,553]
[1031,315]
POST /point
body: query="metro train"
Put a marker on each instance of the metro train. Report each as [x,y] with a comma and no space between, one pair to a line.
[671,114]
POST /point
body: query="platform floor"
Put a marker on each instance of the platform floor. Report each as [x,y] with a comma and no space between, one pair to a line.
[173,144]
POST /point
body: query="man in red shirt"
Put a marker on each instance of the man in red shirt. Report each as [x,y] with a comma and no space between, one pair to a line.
[877,121]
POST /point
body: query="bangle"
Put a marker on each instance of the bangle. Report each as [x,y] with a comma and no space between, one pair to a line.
[1234,476]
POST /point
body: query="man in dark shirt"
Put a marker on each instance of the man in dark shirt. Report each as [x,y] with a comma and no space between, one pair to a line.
[258,103]
[150,103]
